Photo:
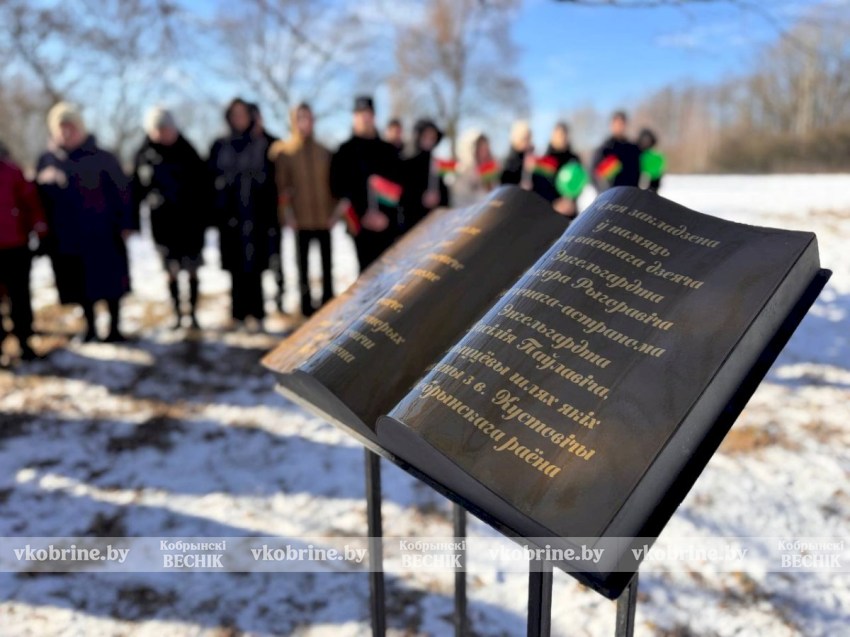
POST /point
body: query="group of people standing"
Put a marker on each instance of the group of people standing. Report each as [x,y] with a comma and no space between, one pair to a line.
[82,207]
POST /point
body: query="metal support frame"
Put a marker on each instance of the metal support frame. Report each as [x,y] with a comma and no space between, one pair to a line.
[626,606]
[377,596]
[539,598]
[461,620]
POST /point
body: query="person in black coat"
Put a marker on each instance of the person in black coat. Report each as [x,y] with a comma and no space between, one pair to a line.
[561,151]
[275,231]
[647,140]
[522,167]
[423,187]
[171,179]
[394,134]
[617,161]
[514,168]
[86,197]
[245,204]
[373,223]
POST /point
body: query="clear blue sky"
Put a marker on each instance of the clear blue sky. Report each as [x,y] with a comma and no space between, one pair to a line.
[610,57]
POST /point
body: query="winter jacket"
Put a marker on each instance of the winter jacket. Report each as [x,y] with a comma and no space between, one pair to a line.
[174,183]
[353,163]
[21,212]
[244,201]
[628,155]
[86,197]
[302,171]
[418,175]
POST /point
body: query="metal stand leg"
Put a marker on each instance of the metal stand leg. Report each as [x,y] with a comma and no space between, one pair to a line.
[377,606]
[539,598]
[626,605]
[460,618]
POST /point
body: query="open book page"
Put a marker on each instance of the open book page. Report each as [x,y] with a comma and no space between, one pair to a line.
[642,317]
[369,346]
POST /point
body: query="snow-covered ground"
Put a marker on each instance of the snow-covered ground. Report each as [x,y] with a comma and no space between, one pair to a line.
[176,436]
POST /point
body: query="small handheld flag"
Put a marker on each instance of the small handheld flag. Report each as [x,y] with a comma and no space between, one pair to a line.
[546,166]
[609,168]
[488,171]
[445,167]
[386,192]
[352,221]
[571,180]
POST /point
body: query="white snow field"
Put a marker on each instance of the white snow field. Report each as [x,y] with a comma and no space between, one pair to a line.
[176,436]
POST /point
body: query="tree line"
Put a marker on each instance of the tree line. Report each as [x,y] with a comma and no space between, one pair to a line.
[787,110]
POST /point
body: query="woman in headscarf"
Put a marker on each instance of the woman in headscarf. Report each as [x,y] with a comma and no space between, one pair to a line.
[479,171]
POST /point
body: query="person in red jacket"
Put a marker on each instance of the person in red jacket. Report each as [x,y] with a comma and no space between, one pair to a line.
[20,216]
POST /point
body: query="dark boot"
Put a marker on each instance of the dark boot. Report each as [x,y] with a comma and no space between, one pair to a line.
[193,301]
[115,335]
[307,308]
[174,289]
[27,352]
[91,329]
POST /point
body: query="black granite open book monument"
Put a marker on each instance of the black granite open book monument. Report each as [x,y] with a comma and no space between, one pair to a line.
[558,382]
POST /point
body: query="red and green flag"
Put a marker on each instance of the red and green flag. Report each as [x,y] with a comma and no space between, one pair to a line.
[546,166]
[352,221]
[445,167]
[609,168]
[386,192]
[488,170]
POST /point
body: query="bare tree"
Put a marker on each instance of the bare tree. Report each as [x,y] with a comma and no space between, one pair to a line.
[130,44]
[798,89]
[288,51]
[106,55]
[37,38]
[457,63]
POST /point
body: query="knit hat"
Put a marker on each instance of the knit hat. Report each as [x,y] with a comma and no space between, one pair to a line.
[157,118]
[64,113]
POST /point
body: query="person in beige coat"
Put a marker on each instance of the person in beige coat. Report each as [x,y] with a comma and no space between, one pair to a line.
[302,169]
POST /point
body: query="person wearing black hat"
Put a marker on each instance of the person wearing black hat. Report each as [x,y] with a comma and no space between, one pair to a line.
[423,186]
[359,168]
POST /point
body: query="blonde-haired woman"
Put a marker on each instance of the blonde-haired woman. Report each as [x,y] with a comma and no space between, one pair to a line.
[86,197]
[516,169]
